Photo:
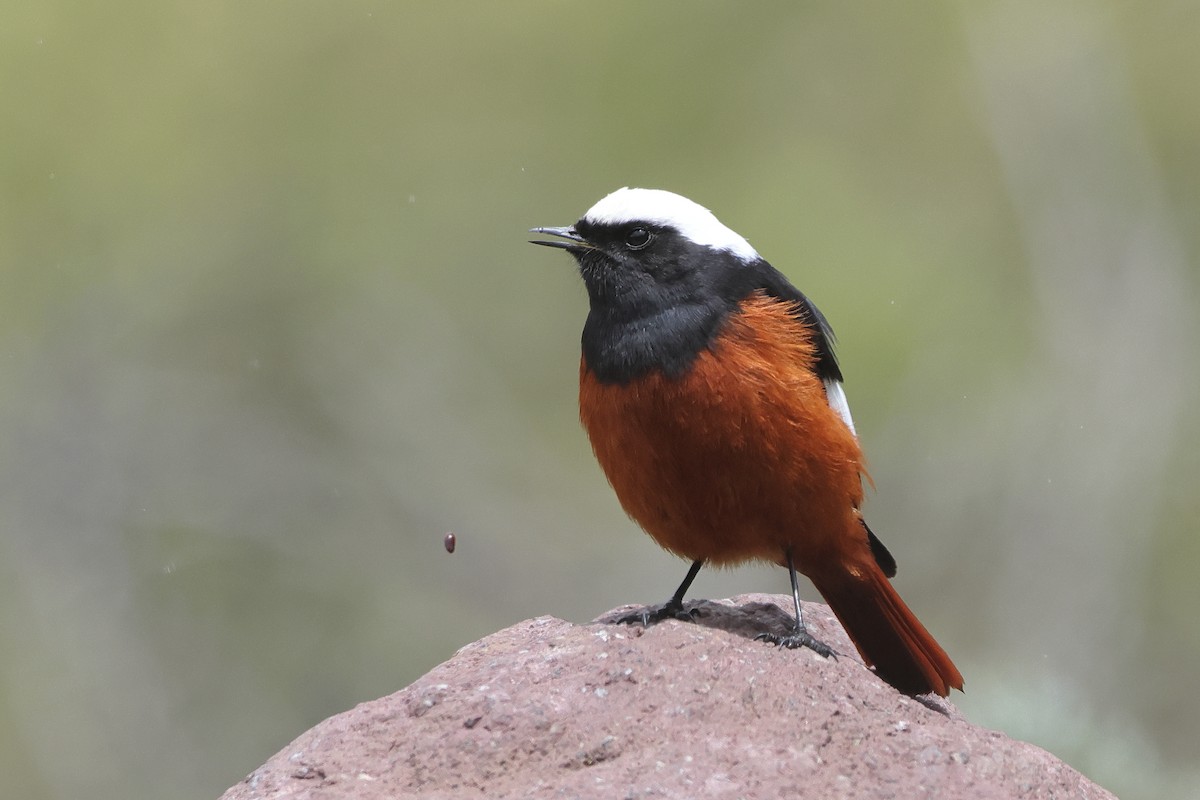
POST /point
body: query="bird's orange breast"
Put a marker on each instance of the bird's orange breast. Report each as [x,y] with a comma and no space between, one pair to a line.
[739,458]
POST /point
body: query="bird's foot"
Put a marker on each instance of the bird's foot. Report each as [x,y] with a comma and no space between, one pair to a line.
[798,638]
[651,615]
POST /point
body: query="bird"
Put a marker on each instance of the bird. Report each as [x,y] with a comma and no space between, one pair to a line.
[713,400]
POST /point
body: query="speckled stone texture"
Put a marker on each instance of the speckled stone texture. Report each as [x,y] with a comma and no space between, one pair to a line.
[551,709]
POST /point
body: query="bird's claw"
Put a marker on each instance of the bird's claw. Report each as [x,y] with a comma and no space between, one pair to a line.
[652,615]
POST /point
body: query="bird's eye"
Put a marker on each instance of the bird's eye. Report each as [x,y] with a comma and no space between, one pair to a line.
[638,238]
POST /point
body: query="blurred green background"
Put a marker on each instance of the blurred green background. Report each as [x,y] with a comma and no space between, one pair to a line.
[270,328]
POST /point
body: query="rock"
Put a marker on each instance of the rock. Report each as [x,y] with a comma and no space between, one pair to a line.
[548,708]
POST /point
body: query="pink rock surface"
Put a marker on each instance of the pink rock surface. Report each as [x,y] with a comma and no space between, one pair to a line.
[548,708]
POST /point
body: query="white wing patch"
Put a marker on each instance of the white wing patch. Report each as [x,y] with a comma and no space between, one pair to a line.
[837,401]
[660,207]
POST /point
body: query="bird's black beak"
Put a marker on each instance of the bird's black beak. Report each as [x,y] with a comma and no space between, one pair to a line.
[574,241]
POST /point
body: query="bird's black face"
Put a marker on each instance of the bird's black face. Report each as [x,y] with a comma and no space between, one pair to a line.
[637,268]
[661,274]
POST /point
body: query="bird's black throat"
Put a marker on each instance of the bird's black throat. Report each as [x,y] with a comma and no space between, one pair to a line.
[654,313]
[619,348]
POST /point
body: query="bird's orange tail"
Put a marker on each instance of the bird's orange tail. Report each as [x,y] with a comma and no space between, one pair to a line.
[887,634]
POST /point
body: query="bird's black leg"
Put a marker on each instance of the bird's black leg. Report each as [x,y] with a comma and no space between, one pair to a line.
[799,637]
[672,609]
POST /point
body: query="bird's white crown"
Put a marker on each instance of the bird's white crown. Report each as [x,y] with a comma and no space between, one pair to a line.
[660,207]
